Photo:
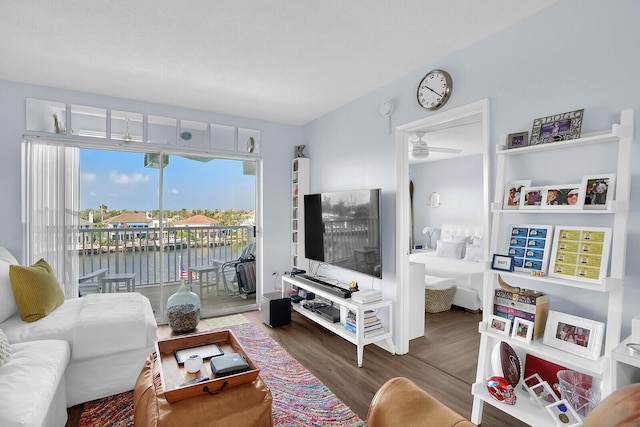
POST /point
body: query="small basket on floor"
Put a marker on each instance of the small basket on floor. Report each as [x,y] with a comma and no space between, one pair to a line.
[438,300]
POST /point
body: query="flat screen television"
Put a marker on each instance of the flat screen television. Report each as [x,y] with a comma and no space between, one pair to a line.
[343,228]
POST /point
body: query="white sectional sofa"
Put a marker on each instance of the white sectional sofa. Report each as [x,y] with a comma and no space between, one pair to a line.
[85,349]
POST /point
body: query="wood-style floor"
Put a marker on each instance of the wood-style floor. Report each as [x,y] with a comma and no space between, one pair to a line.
[443,363]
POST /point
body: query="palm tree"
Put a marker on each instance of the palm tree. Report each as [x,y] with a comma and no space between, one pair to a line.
[103,211]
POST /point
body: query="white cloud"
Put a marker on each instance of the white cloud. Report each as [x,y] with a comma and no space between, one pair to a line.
[92,193]
[88,177]
[123,178]
[174,191]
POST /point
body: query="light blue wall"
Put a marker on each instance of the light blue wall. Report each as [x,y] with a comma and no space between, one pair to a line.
[459,183]
[277,141]
[575,54]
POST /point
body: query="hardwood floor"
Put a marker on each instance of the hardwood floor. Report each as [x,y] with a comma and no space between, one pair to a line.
[443,363]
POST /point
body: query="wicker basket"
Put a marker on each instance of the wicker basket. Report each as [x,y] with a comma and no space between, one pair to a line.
[437,300]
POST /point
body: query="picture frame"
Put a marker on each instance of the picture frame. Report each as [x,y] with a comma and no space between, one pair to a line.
[573,334]
[599,190]
[563,414]
[531,381]
[557,127]
[502,262]
[542,394]
[500,325]
[513,193]
[532,198]
[517,140]
[565,196]
[522,330]
[530,247]
[580,253]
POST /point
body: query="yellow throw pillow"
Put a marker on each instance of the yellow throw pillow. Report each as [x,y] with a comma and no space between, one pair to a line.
[36,290]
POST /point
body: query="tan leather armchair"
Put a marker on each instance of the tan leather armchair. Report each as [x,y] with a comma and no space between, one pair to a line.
[399,402]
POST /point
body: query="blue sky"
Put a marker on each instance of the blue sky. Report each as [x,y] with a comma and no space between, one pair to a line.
[120,181]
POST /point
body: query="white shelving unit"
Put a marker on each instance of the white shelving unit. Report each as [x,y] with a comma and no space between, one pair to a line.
[299,187]
[346,304]
[625,365]
[619,138]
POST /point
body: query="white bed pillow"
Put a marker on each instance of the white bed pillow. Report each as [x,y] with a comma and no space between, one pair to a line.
[474,253]
[477,240]
[450,249]
[8,305]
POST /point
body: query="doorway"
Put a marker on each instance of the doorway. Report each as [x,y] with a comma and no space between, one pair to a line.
[404,134]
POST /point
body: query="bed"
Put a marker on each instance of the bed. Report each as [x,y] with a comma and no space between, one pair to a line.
[459,256]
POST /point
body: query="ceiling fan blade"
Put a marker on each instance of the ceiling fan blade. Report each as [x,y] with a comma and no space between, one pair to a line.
[445,150]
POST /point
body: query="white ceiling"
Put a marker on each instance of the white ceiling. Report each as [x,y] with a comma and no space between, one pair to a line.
[288,61]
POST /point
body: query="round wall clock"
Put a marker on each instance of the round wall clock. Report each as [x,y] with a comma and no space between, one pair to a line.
[434,89]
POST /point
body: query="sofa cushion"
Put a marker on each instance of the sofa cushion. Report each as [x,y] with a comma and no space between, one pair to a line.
[30,380]
[36,290]
[5,349]
[8,305]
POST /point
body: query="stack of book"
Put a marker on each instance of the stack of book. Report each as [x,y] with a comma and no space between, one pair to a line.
[372,325]
[528,305]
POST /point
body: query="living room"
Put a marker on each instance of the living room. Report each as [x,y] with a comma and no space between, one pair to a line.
[570,55]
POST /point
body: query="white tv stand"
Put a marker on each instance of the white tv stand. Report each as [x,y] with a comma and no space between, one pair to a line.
[345,304]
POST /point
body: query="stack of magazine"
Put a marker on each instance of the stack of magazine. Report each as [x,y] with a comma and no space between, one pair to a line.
[372,325]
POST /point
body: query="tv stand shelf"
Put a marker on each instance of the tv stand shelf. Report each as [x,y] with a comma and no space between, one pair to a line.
[383,307]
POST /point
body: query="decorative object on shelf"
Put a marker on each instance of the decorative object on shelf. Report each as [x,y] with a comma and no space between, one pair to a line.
[543,369]
[506,363]
[58,125]
[576,335]
[566,196]
[580,253]
[558,127]
[434,200]
[513,193]
[501,390]
[581,391]
[542,394]
[563,414]
[522,330]
[298,151]
[531,198]
[183,309]
[517,140]
[529,247]
[524,304]
[599,189]
[502,262]
[500,325]
[434,89]
[251,144]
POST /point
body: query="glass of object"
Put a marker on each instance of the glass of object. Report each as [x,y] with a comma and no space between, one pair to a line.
[183,309]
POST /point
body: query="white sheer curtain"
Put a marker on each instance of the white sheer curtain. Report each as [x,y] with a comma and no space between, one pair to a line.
[50,189]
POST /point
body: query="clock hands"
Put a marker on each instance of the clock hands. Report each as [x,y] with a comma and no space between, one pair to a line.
[432,90]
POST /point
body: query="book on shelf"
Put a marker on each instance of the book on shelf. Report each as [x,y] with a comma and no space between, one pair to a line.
[366,296]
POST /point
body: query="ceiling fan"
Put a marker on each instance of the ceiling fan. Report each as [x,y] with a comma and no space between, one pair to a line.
[420,150]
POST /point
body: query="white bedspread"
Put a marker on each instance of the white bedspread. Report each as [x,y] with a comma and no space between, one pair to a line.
[110,323]
[467,274]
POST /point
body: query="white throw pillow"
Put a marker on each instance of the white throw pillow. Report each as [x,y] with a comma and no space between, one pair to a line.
[477,241]
[8,305]
[5,348]
[449,249]
[474,253]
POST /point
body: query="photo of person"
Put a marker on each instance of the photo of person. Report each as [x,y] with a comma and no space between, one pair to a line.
[497,324]
[555,129]
[567,196]
[517,140]
[532,197]
[513,193]
[596,191]
[522,330]
[573,334]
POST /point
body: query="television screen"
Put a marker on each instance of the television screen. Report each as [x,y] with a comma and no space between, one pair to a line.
[343,229]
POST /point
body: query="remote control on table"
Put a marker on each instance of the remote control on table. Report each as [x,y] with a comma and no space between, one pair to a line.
[200,379]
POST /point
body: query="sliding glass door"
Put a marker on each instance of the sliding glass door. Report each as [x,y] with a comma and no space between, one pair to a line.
[166,218]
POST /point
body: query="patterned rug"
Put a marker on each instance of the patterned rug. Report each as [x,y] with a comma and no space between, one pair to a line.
[299,398]
[226,321]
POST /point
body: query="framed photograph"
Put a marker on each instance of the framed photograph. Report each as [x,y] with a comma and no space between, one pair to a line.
[531,381]
[517,140]
[581,254]
[522,330]
[530,247]
[531,198]
[563,414]
[574,334]
[599,189]
[501,325]
[513,193]
[567,196]
[542,394]
[502,262]
[559,127]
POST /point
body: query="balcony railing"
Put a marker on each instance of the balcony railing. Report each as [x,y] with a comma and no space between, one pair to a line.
[139,250]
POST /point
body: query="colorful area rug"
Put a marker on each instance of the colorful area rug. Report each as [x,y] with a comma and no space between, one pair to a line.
[299,398]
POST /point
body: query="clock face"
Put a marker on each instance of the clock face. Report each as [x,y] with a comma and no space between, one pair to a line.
[434,89]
